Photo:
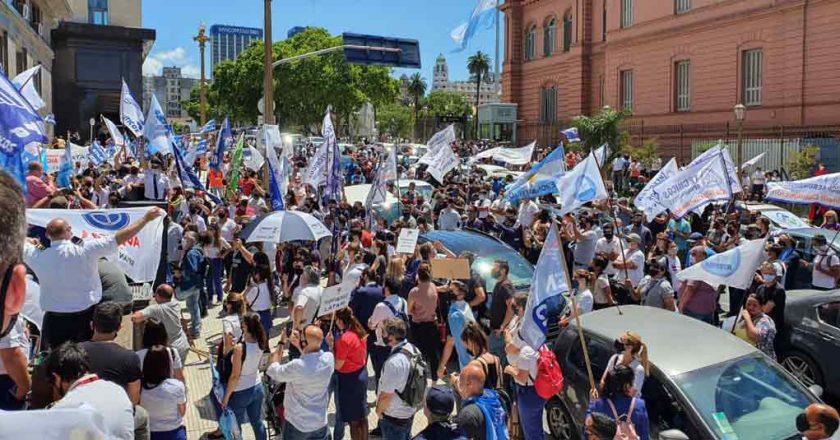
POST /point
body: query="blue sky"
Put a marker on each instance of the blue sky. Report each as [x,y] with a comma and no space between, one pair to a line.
[429,21]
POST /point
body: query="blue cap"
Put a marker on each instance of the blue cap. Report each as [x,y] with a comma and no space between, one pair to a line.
[440,400]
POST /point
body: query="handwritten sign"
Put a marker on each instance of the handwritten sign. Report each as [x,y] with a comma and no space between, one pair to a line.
[334,298]
[407,241]
[451,269]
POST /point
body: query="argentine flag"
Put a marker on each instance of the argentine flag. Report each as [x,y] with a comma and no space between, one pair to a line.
[581,185]
[540,179]
[571,134]
[548,285]
[481,18]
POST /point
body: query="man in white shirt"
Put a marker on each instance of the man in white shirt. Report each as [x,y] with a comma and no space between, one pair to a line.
[528,211]
[758,181]
[826,265]
[609,245]
[618,165]
[449,219]
[395,416]
[156,183]
[69,277]
[585,241]
[632,265]
[308,298]
[307,384]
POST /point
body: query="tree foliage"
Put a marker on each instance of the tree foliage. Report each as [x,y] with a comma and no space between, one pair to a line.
[441,103]
[603,128]
[394,120]
[478,65]
[801,165]
[645,154]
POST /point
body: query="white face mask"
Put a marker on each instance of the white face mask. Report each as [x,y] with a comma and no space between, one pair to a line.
[768,277]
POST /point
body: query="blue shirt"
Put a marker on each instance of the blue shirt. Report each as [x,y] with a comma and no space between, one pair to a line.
[363,300]
[682,226]
[690,260]
[191,278]
[622,406]
[459,315]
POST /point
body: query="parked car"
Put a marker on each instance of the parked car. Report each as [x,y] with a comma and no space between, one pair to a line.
[389,210]
[493,171]
[812,350]
[703,384]
[421,186]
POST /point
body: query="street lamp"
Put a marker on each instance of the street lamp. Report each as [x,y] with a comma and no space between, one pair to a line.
[202,92]
[92,122]
[740,113]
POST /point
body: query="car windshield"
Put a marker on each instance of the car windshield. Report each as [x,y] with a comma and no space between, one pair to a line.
[745,398]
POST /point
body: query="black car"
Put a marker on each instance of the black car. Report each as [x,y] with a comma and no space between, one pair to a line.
[812,351]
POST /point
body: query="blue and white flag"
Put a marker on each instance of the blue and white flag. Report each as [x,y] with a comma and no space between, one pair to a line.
[252,159]
[548,285]
[697,185]
[98,155]
[223,142]
[209,127]
[26,86]
[715,153]
[734,268]
[158,136]
[334,184]
[49,119]
[823,190]
[116,134]
[131,114]
[20,127]
[601,154]
[481,18]
[581,185]
[65,170]
[541,179]
[571,134]
[201,148]
[188,177]
[648,198]
[278,167]
[131,149]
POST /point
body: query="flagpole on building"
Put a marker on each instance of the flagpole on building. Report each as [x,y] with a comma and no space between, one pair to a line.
[496,74]
[581,336]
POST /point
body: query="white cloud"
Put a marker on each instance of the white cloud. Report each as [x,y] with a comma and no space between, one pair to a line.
[178,57]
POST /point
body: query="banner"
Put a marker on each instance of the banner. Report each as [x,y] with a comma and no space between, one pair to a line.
[252,159]
[823,190]
[441,138]
[77,154]
[138,257]
[156,130]
[541,179]
[116,135]
[696,186]
[648,199]
[734,268]
[548,285]
[26,86]
[753,161]
[20,127]
[440,161]
[581,185]
[131,114]
[513,156]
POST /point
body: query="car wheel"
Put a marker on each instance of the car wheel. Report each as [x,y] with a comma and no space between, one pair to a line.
[802,368]
[560,422]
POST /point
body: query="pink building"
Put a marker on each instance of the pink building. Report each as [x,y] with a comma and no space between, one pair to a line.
[674,61]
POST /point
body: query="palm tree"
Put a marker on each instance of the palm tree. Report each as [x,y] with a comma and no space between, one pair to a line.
[416,88]
[478,65]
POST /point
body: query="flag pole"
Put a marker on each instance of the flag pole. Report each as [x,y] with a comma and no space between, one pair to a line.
[615,222]
[581,336]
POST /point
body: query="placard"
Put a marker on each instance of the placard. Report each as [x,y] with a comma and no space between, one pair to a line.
[451,268]
[407,240]
[334,298]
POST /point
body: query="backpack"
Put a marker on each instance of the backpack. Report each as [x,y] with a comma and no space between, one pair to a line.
[414,391]
[225,362]
[624,428]
[495,415]
[620,293]
[549,380]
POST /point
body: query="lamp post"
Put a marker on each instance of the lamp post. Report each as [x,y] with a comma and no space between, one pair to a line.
[202,40]
[740,113]
[268,79]
[92,122]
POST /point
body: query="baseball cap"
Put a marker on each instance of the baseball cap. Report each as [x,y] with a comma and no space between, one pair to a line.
[634,238]
[440,400]
[695,236]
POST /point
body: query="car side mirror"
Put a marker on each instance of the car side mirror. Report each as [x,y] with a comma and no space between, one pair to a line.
[672,434]
[816,390]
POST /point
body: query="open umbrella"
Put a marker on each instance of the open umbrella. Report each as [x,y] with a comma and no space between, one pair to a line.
[283,226]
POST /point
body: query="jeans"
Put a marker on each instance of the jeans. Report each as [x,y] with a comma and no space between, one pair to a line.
[214,280]
[531,408]
[7,395]
[395,431]
[250,401]
[292,433]
[175,434]
[191,296]
[266,320]
[338,425]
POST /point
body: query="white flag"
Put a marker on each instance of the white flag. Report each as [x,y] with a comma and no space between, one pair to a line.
[25,83]
[316,172]
[601,154]
[753,161]
[252,159]
[513,156]
[823,190]
[156,130]
[581,185]
[440,161]
[131,114]
[116,135]
[648,198]
[696,186]
[441,138]
[734,268]
[548,285]
[389,171]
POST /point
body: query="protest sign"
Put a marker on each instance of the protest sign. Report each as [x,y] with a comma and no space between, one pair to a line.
[407,241]
[334,298]
[451,268]
[823,190]
[80,154]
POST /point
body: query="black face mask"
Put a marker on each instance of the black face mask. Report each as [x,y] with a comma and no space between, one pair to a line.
[298,270]
[802,424]
[619,346]
[608,235]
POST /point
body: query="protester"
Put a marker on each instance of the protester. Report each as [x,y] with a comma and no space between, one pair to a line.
[633,353]
[260,296]
[698,299]
[109,360]
[460,314]
[423,313]
[154,334]
[396,415]
[522,368]
[818,422]
[350,351]
[654,290]
[475,342]
[392,306]
[482,415]
[440,402]
[600,426]
[15,380]
[244,390]
[164,397]
[620,401]
[192,266]
[825,269]
[167,311]
[755,327]
[501,311]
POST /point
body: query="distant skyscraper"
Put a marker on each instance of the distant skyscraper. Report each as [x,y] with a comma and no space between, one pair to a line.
[229,41]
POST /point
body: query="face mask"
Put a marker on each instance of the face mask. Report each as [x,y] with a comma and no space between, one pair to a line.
[654,273]
[802,424]
[672,252]
[768,277]
[608,235]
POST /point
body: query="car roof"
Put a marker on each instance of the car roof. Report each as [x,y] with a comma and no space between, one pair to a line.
[359,193]
[460,239]
[676,343]
[811,296]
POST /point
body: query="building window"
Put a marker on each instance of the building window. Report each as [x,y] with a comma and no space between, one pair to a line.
[549,37]
[626,86]
[20,61]
[604,22]
[602,86]
[4,53]
[531,43]
[98,12]
[548,105]
[37,80]
[752,71]
[682,6]
[682,87]
[626,13]
[567,32]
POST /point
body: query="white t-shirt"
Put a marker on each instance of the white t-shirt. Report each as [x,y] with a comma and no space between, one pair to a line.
[584,301]
[110,400]
[604,246]
[16,338]
[635,275]
[758,178]
[259,297]
[227,229]
[199,222]
[309,298]
[526,360]
[528,211]
[638,372]
[618,164]
[820,279]
[231,325]
[161,402]
[600,293]
[382,312]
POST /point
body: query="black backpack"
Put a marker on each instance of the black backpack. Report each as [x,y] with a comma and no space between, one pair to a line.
[621,294]
[224,364]
[414,392]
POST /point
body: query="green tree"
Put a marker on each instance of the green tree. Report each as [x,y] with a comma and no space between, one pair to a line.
[394,120]
[441,103]
[603,128]
[801,165]
[478,65]
[417,89]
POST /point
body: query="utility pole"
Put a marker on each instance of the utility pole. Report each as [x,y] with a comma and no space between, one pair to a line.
[202,39]
[268,82]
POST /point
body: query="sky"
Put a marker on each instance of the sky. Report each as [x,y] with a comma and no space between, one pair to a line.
[428,21]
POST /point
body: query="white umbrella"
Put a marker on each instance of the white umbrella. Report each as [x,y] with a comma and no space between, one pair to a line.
[283,226]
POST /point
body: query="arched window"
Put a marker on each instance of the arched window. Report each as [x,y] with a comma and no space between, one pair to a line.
[531,43]
[549,36]
[567,32]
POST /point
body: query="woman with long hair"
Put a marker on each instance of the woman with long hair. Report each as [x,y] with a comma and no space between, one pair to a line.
[260,295]
[621,398]
[601,292]
[244,390]
[351,372]
[478,346]
[215,252]
[395,274]
[154,334]
[235,309]
[632,353]
[380,262]
[164,398]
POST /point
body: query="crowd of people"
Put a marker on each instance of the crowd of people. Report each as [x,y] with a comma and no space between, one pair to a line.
[449,348]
